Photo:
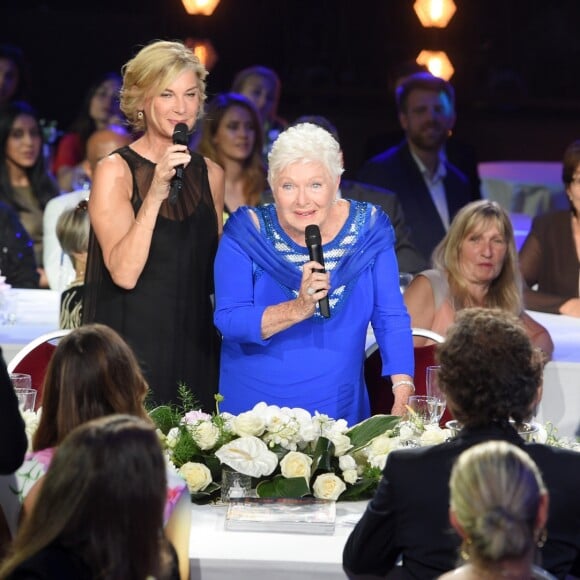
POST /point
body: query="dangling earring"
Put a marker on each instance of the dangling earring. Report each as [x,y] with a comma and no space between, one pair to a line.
[464,553]
[140,115]
[541,541]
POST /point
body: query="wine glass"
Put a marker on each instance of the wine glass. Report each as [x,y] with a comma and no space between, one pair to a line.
[434,391]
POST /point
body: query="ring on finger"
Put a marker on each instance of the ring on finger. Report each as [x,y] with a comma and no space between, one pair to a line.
[310,291]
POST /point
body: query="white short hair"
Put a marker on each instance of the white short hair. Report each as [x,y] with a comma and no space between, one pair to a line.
[306,143]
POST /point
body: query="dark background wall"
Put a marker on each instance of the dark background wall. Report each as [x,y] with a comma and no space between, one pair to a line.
[516,61]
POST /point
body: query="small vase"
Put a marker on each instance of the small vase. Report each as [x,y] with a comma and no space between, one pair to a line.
[234,484]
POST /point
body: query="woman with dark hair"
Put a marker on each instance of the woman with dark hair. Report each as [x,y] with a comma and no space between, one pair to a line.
[231,136]
[99,110]
[491,375]
[93,373]
[25,184]
[99,513]
[550,256]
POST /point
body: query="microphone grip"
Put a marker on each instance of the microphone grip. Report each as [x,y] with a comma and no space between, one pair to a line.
[315,252]
[176,185]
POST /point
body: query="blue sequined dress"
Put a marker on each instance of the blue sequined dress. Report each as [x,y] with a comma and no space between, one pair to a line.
[316,364]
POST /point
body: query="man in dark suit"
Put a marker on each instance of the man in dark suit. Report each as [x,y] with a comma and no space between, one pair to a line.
[409,258]
[490,373]
[430,188]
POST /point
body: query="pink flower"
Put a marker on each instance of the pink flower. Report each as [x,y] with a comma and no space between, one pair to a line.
[196,415]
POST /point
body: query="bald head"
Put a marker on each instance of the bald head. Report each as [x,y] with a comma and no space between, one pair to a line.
[103,142]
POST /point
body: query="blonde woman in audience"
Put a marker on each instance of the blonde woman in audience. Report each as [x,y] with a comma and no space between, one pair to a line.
[93,373]
[231,136]
[100,511]
[476,264]
[550,256]
[499,508]
[72,231]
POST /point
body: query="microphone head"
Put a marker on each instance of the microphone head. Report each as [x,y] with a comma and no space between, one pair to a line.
[180,136]
[312,235]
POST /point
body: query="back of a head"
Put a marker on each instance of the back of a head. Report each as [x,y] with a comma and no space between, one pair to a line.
[72,230]
[495,493]
[304,143]
[103,142]
[489,368]
[92,373]
[422,81]
[103,496]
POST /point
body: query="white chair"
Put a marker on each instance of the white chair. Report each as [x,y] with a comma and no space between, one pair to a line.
[422,332]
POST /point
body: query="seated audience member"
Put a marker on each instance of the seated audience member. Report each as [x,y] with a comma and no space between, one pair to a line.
[430,188]
[475,264]
[409,259]
[550,256]
[99,513]
[490,373]
[72,231]
[262,86]
[499,508]
[58,266]
[25,184]
[13,74]
[231,136]
[99,110]
[277,341]
[17,263]
[93,373]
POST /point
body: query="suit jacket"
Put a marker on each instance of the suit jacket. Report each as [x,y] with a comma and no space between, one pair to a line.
[408,517]
[408,257]
[548,258]
[396,170]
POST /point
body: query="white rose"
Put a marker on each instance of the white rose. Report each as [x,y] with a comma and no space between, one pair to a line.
[350,476]
[172,438]
[378,461]
[248,424]
[205,434]
[341,444]
[406,432]
[433,435]
[328,486]
[382,445]
[196,475]
[296,464]
[346,462]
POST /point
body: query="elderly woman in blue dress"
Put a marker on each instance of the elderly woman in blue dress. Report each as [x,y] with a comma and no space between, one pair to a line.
[277,347]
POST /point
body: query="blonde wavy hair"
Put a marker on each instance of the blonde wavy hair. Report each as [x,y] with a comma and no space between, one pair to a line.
[505,291]
[155,67]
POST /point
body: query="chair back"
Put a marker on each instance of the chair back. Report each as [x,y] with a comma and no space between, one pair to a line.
[380,388]
[33,359]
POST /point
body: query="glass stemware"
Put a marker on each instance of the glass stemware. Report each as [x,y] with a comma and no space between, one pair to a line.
[433,390]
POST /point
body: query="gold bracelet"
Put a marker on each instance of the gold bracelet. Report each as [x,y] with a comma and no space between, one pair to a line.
[404,383]
[143,225]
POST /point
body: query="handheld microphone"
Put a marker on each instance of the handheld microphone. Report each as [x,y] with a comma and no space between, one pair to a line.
[314,245]
[179,138]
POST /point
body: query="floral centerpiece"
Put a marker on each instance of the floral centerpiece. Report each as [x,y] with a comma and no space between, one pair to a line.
[287,451]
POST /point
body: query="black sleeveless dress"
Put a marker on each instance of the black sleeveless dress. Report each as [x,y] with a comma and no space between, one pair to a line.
[168,317]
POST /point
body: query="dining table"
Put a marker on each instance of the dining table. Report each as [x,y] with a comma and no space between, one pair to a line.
[216,553]
[528,187]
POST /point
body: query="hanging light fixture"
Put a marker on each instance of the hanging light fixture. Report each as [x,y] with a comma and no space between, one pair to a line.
[204,50]
[205,7]
[437,63]
[434,13]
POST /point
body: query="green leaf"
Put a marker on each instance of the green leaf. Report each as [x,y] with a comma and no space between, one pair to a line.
[185,449]
[360,490]
[205,496]
[364,432]
[281,486]
[322,455]
[165,418]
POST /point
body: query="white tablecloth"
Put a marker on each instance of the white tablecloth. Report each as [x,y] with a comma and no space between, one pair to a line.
[216,554]
[36,314]
[530,187]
